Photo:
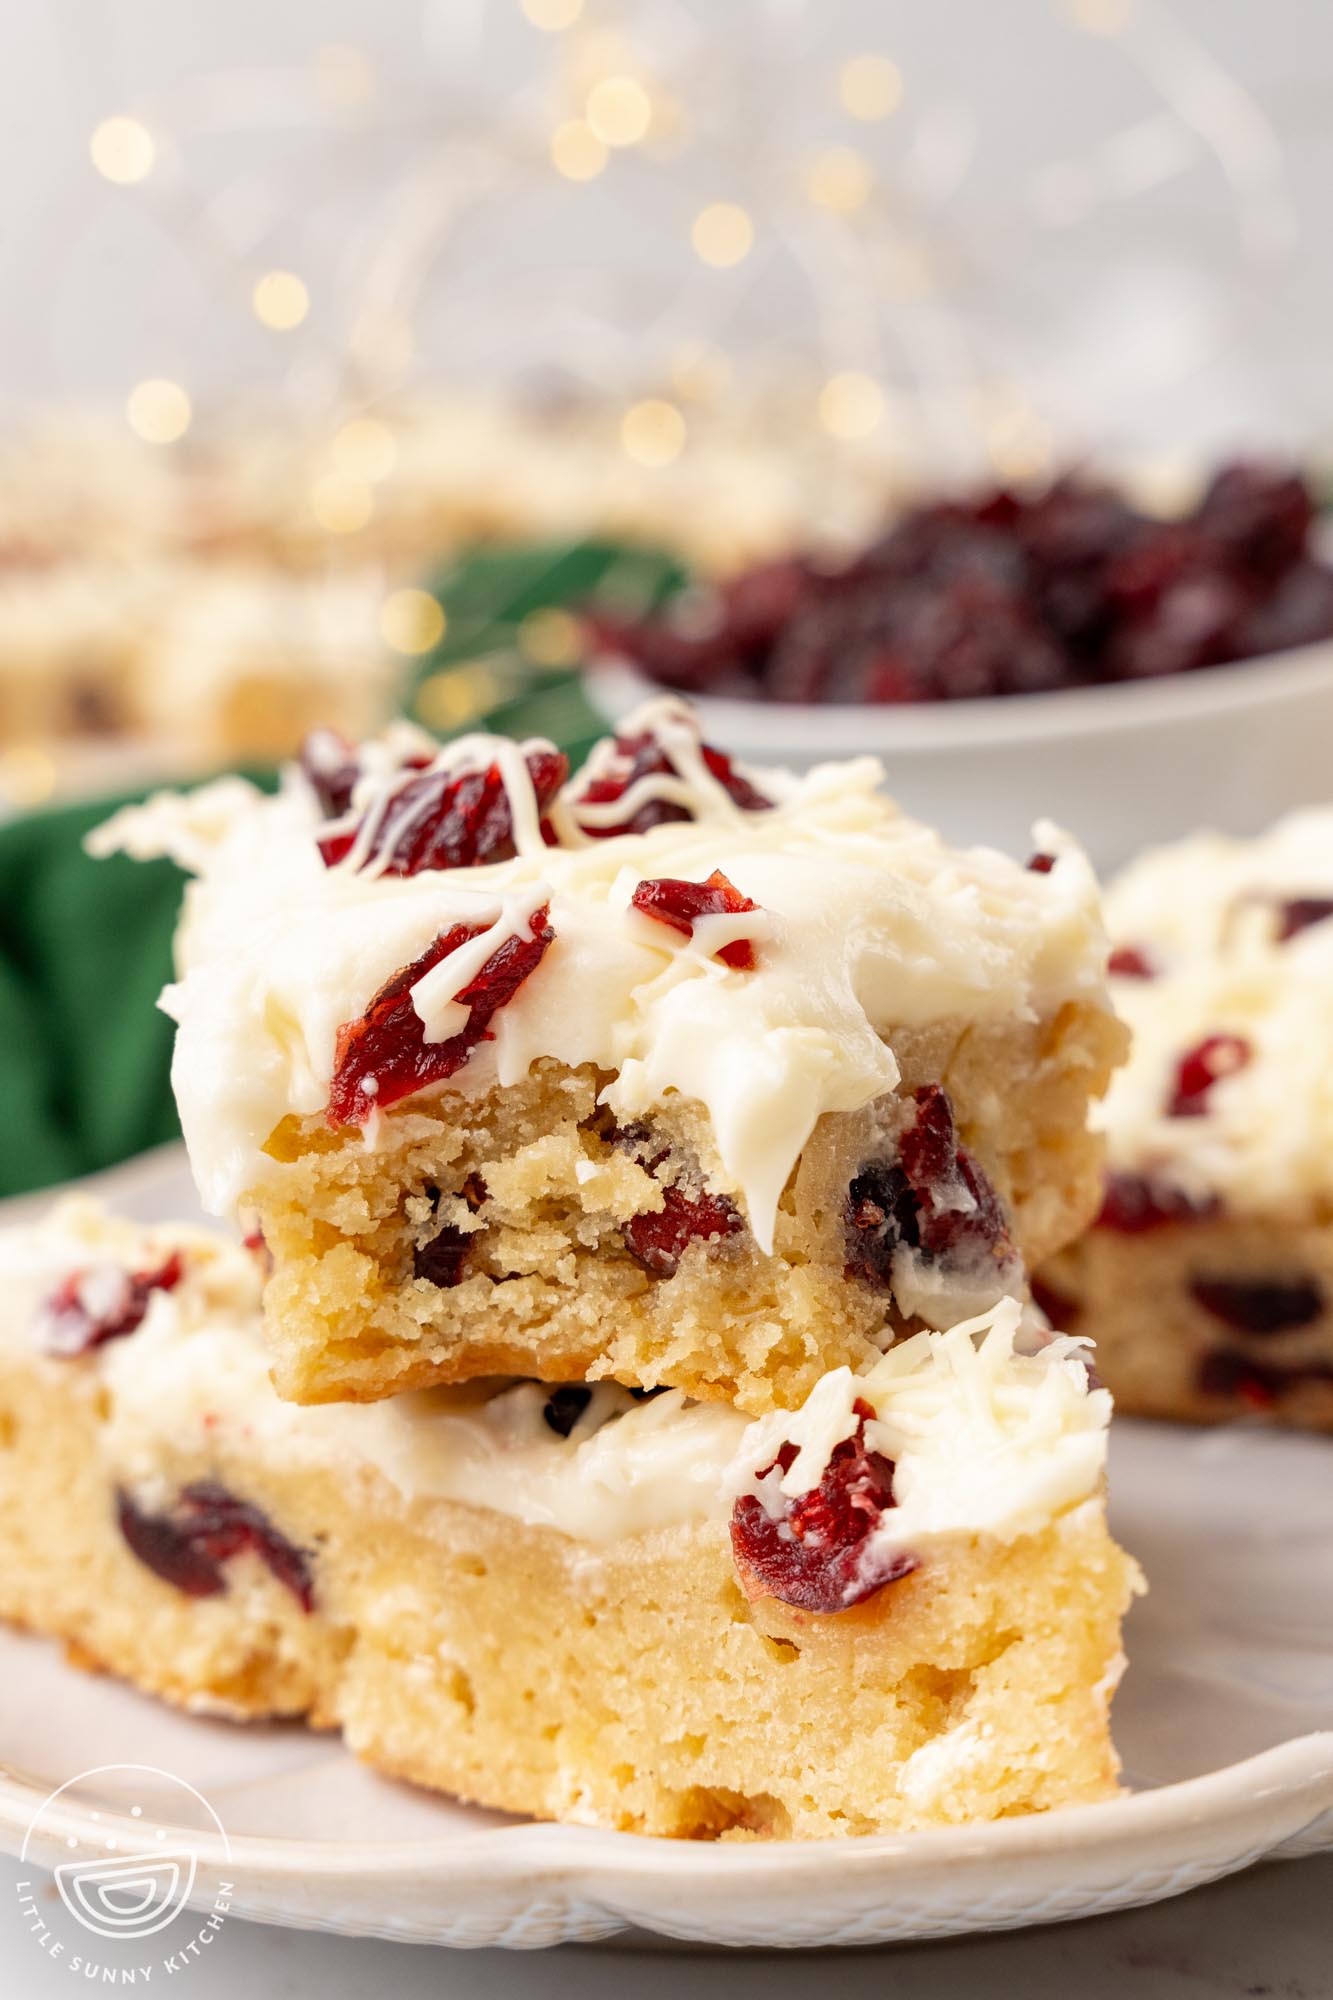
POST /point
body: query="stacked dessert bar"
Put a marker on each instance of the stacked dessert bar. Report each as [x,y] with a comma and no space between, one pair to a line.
[641,1171]
[1207,1280]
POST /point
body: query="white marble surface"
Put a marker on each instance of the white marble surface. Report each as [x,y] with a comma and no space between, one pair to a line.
[1265,1935]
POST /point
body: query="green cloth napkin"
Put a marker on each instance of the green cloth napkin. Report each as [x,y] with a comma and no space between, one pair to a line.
[85,949]
[85,946]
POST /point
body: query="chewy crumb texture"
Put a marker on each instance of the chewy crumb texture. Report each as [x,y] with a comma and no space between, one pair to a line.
[548,1282]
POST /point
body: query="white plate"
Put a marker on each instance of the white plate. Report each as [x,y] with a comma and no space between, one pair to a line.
[1225,1721]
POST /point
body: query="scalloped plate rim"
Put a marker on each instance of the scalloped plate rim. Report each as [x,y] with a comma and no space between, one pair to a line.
[1265,1779]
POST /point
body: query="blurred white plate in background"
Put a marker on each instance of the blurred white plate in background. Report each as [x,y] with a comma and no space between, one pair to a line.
[1122,767]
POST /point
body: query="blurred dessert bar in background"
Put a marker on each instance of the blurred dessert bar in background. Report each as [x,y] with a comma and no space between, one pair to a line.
[1207,1281]
[212,662]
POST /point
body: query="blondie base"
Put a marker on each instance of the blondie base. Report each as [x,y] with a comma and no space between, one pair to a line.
[632,1687]
[520,1232]
[1227,1316]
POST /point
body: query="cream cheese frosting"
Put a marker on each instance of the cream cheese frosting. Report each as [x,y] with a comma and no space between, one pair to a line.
[985,1439]
[1206,916]
[866,923]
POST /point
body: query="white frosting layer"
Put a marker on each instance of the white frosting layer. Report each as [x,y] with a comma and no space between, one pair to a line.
[985,1439]
[1206,913]
[867,923]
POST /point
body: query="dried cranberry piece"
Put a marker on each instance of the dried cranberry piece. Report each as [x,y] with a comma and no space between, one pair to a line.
[168,1549]
[645,757]
[442,819]
[188,1548]
[882,1211]
[387,1047]
[1128,962]
[442,1261]
[681,904]
[660,1237]
[1260,1305]
[1261,513]
[101,1304]
[256,1243]
[565,1405]
[1041,864]
[1136,1203]
[1215,1057]
[1300,913]
[1298,612]
[914,1201]
[816,1556]
[1261,1384]
[1004,593]
[331,768]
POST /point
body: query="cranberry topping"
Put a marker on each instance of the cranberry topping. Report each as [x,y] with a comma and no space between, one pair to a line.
[1041,864]
[642,757]
[330,767]
[1201,1067]
[660,1237]
[442,819]
[1135,1203]
[565,1405]
[442,1261]
[101,1304]
[210,1525]
[1300,913]
[816,1555]
[1260,1384]
[1127,961]
[934,1199]
[385,1056]
[681,904]
[1260,1305]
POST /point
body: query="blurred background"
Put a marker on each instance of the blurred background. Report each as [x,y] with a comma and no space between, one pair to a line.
[1114,208]
[945,381]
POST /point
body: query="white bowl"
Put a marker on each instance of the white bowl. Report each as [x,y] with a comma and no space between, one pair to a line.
[1123,767]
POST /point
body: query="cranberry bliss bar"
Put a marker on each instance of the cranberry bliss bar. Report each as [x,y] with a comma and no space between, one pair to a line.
[897,1606]
[672,1072]
[1207,1282]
